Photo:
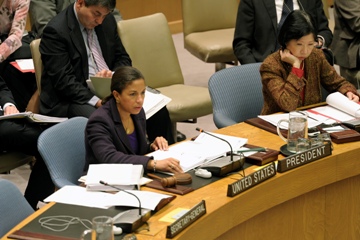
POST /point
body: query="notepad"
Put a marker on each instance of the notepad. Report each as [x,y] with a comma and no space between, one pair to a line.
[122,176]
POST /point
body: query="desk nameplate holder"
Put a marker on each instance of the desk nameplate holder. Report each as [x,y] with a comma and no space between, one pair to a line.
[187,219]
[303,158]
[251,180]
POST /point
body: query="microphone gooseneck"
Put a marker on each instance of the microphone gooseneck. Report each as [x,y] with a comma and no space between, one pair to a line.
[231,152]
[120,189]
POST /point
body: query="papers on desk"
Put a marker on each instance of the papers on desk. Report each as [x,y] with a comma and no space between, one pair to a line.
[205,148]
[275,118]
[77,195]
[339,109]
[123,176]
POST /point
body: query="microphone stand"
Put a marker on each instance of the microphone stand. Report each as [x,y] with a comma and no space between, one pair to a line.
[130,220]
[222,166]
[120,189]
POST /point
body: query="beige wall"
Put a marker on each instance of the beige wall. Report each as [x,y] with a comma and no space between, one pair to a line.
[137,8]
[170,8]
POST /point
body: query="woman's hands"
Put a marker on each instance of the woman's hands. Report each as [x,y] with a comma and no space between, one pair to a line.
[159,143]
[166,165]
[286,56]
[353,97]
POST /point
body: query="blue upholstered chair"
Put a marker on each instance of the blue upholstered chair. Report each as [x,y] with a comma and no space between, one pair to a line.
[13,206]
[63,149]
[236,94]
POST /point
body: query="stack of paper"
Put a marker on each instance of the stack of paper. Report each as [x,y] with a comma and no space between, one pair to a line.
[205,148]
[77,195]
[120,176]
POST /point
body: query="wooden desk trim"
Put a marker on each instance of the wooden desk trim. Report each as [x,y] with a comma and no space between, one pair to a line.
[310,193]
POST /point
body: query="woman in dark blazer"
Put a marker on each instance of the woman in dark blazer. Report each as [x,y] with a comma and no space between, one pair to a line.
[116,132]
[291,77]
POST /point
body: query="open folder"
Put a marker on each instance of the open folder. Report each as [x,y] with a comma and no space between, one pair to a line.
[153,101]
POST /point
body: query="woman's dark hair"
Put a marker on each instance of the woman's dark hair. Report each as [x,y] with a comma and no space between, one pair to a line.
[297,24]
[122,77]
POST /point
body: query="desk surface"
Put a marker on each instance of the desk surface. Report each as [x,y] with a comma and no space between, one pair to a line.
[319,200]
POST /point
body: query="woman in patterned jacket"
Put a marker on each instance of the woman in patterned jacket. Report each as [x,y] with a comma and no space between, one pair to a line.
[292,77]
[13,15]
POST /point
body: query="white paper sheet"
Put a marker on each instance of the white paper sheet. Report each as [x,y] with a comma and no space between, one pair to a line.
[205,148]
[77,195]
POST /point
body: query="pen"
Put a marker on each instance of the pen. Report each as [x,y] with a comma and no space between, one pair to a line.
[313,118]
[260,149]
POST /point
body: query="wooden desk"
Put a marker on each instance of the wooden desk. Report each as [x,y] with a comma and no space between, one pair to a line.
[320,200]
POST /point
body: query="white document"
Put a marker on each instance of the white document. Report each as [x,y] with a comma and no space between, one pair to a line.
[339,109]
[275,118]
[341,102]
[77,195]
[153,102]
[205,148]
[25,64]
[34,117]
[123,176]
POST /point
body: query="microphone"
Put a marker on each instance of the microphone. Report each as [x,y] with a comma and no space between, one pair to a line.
[223,165]
[129,220]
[120,189]
[231,153]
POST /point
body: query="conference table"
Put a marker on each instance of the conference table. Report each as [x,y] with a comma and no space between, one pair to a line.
[319,200]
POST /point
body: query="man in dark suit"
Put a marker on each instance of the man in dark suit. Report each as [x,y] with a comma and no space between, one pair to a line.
[69,60]
[346,44]
[20,135]
[256,27]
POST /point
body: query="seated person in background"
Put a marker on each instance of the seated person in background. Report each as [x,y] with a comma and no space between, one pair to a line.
[21,136]
[115,133]
[70,58]
[257,26]
[346,44]
[42,11]
[13,15]
[291,77]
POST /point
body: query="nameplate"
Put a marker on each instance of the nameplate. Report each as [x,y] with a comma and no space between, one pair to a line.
[251,180]
[303,158]
[187,219]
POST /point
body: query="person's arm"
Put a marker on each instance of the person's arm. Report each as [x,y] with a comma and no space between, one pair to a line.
[323,25]
[285,92]
[13,41]
[332,81]
[6,96]
[41,12]
[243,36]
[100,135]
[350,13]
